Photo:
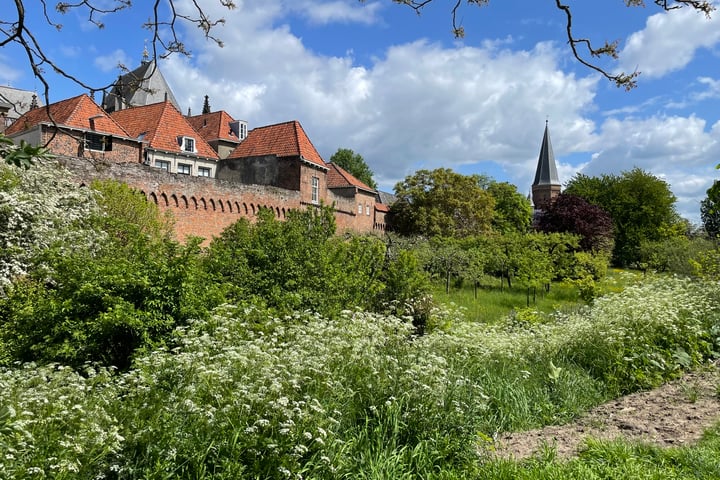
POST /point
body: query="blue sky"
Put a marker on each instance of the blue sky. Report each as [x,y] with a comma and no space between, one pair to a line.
[400,90]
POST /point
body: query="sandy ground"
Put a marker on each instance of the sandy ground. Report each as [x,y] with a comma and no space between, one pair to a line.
[675,414]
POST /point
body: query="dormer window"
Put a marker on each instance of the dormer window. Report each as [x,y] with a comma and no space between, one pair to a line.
[187,144]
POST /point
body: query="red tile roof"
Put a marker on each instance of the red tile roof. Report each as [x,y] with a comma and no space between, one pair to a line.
[283,140]
[214,126]
[160,124]
[338,177]
[74,112]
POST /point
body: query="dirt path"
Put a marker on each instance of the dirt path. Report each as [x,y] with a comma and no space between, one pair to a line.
[675,414]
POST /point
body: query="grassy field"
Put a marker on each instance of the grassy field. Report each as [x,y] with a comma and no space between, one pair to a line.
[490,303]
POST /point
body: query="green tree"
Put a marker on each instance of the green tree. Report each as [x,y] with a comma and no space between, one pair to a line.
[442,203]
[104,300]
[298,264]
[641,205]
[710,210]
[355,164]
[513,211]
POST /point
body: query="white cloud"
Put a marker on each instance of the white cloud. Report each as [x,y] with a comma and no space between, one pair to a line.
[110,62]
[669,42]
[418,104]
[338,11]
[712,88]
[425,105]
[676,149]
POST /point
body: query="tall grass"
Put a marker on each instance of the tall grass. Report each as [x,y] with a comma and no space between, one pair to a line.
[247,395]
[489,303]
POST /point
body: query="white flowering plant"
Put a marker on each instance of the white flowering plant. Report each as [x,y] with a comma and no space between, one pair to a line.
[246,394]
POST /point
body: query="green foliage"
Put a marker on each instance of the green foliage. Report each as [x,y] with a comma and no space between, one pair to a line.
[127,213]
[298,263]
[403,278]
[642,331]
[101,302]
[677,255]
[641,205]
[707,265]
[102,306]
[355,164]
[441,203]
[513,211]
[710,210]
[23,155]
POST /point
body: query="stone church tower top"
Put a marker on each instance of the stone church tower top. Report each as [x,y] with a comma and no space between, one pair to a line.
[546,185]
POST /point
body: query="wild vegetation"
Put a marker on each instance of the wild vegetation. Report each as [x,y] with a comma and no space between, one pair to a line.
[283,350]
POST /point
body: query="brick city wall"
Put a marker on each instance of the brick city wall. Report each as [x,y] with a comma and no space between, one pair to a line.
[204,207]
[200,206]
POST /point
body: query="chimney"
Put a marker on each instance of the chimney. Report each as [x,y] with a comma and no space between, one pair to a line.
[92,121]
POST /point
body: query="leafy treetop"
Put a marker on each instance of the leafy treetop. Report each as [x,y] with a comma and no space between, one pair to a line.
[355,164]
[442,203]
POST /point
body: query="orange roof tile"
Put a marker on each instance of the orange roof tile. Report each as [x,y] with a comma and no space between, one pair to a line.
[381,207]
[160,124]
[283,140]
[74,112]
[338,177]
[214,126]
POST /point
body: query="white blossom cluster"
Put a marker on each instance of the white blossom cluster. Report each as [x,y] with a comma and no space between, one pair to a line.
[41,207]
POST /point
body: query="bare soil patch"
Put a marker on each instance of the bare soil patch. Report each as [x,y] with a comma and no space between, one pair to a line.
[674,414]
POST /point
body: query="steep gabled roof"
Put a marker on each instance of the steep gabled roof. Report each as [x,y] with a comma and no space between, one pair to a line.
[338,177]
[143,86]
[79,112]
[17,101]
[214,126]
[283,140]
[160,125]
[546,173]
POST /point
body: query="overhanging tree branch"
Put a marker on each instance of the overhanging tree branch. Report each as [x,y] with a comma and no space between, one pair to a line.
[625,80]
[14,30]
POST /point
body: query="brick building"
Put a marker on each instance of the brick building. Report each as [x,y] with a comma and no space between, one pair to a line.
[208,170]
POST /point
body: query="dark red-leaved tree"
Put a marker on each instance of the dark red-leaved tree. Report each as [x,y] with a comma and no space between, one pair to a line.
[573,214]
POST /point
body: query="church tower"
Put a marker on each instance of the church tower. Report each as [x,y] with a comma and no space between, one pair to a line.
[546,185]
[143,86]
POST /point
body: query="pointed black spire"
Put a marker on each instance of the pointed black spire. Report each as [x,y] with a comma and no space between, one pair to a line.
[546,173]
[546,185]
[206,105]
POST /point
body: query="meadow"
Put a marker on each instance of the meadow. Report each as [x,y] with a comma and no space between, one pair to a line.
[249,394]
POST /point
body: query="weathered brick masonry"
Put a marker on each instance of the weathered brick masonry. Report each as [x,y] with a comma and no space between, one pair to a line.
[200,206]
